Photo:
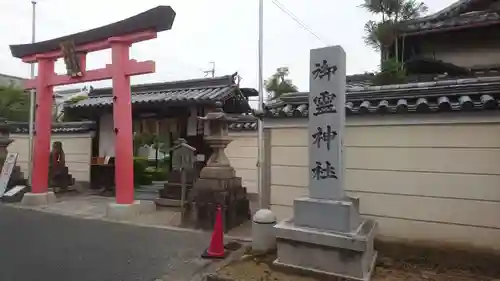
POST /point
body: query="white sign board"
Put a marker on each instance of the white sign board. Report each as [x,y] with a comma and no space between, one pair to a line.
[13,191]
[8,167]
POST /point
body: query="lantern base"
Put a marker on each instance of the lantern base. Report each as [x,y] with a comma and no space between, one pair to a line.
[208,193]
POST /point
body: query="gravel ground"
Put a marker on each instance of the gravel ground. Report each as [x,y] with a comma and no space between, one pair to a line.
[37,246]
[411,268]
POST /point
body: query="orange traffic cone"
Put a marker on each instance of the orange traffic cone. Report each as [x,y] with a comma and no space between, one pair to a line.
[216,248]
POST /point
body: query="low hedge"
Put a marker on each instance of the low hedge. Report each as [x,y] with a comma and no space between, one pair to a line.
[141,176]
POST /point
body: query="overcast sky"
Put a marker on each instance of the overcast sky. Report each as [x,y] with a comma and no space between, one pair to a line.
[224,31]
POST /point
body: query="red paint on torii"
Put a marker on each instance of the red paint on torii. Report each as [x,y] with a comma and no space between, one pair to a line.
[120,70]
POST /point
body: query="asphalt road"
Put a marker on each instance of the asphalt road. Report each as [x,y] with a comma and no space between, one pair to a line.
[36,246]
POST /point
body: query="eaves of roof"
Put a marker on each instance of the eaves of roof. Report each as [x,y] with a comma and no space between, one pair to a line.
[205,90]
[62,127]
[467,20]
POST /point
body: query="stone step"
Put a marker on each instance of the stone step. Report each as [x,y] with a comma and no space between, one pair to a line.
[150,187]
[159,182]
[145,194]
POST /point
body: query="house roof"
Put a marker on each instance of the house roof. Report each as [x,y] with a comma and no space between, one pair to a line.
[461,14]
[11,76]
[468,94]
[452,10]
[195,91]
[482,18]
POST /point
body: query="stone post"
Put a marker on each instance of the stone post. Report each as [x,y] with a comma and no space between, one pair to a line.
[327,234]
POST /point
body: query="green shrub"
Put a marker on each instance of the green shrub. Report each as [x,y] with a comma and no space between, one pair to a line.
[392,72]
[159,174]
[141,177]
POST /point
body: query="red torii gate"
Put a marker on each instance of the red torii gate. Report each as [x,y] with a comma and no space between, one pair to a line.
[118,37]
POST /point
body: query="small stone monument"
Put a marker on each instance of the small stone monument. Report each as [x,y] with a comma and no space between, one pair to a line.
[218,183]
[171,193]
[327,234]
[183,161]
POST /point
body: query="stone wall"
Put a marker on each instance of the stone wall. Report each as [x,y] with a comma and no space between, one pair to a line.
[77,148]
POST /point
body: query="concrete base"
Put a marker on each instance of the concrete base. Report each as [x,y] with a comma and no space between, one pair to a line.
[129,211]
[334,215]
[165,202]
[37,199]
[346,255]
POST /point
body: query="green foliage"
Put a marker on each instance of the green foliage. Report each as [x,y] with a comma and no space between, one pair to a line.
[14,104]
[141,176]
[149,139]
[392,72]
[381,34]
[278,85]
[142,139]
[159,174]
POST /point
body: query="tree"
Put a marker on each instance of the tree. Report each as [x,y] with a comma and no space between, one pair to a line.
[14,104]
[278,85]
[382,34]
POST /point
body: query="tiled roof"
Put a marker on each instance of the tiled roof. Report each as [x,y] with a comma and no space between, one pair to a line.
[243,126]
[461,13]
[63,127]
[450,11]
[185,92]
[470,94]
[471,18]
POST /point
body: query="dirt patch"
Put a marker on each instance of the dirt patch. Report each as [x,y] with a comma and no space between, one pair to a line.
[413,268]
[439,258]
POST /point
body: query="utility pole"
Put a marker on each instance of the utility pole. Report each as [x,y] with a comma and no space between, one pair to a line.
[212,71]
[32,96]
[260,159]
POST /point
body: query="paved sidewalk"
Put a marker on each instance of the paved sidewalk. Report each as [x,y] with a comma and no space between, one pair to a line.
[94,207]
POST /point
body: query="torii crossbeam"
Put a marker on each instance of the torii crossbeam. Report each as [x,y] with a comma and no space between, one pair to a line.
[118,37]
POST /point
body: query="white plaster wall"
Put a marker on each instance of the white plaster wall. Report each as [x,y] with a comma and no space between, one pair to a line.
[425,178]
[242,153]
[77,149]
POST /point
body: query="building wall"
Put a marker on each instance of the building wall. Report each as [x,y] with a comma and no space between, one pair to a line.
[106,136]
[242,153]
[466,53]
[77,149]
[427,178]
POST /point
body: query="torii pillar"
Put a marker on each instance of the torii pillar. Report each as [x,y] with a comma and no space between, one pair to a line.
[118,37]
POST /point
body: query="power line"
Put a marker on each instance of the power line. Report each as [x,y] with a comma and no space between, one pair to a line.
[297,20]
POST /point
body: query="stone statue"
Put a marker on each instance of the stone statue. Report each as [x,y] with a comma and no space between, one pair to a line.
[57,155]
[59,178]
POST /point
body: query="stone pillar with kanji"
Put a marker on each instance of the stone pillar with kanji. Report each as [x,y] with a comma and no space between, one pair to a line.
[327,234]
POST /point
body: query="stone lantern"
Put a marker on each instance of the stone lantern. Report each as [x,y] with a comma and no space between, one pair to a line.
[218,183]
